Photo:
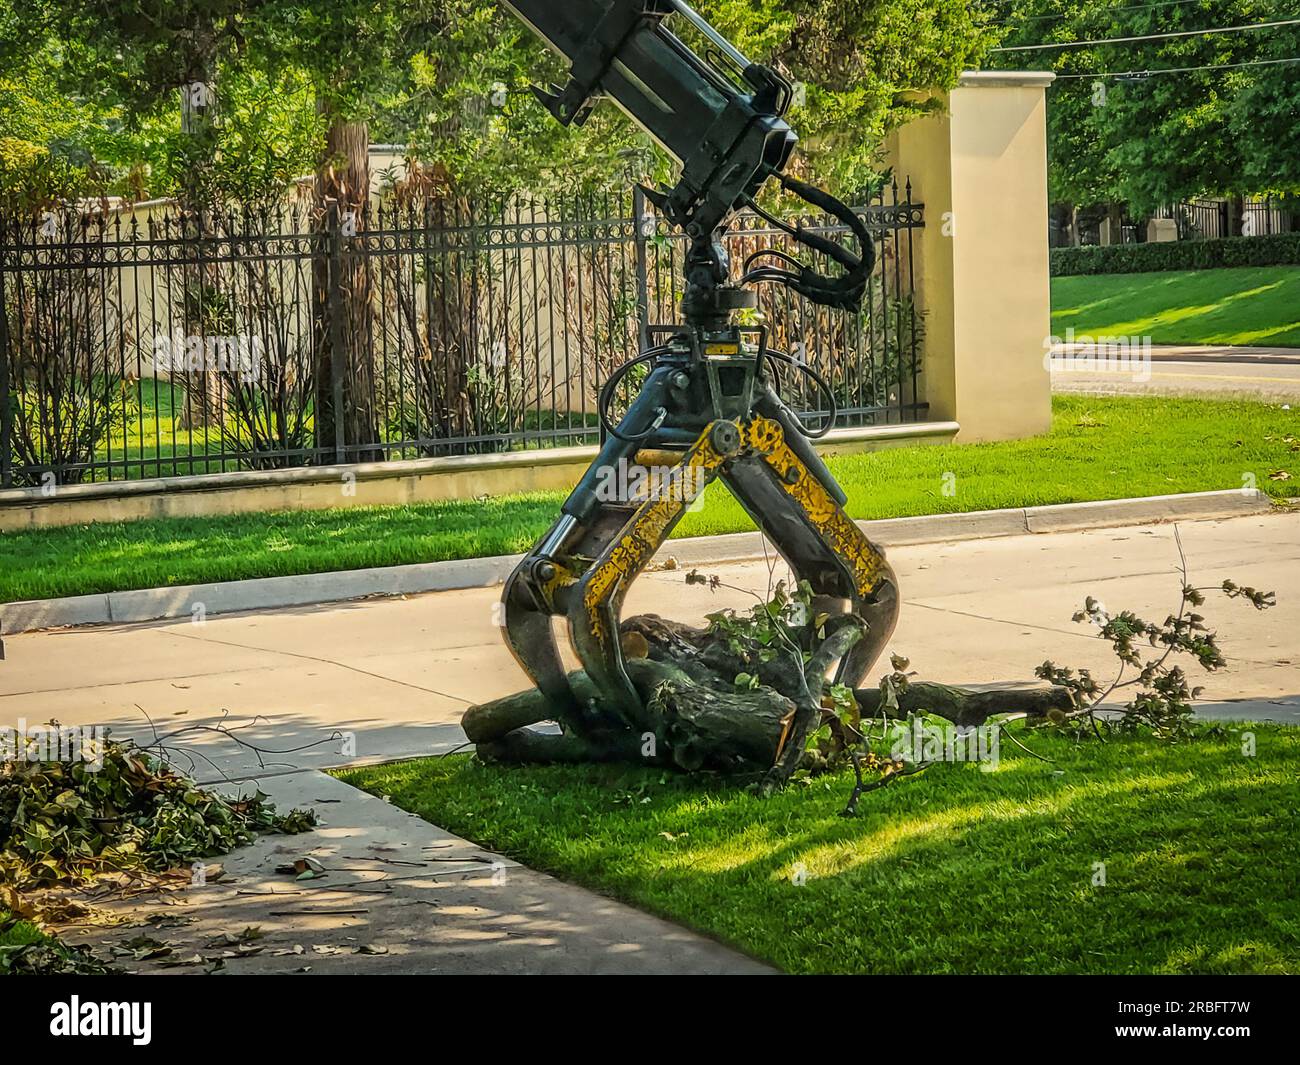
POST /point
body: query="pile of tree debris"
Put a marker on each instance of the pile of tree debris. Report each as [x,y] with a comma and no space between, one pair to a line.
[109,807]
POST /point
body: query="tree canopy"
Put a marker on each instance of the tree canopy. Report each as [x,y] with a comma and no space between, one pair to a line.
[96,84]
[1225,121]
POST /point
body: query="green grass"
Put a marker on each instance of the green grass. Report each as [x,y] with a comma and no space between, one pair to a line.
[148,441]
[52,957]
[18,933]
[957,870]
[1098,448]
[1247,305]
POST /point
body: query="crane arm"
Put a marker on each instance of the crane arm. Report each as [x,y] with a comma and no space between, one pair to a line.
[721,116]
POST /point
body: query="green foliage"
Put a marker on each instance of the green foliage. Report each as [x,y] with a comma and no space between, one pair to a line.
[777,637]
[1277,249]
[66,342]
[266,133]
[768,629]
[1224,130]
[450,78]
[1162,704]
[137,53]
[75,122]
[118,808]
[55,145]
[467,109]
[867,67]
[25,950]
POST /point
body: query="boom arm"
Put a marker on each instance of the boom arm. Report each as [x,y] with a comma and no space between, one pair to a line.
[722,119]
[707,407]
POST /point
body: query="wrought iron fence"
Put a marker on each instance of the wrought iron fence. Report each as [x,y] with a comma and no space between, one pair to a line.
[1196,219]
[151,342]
[1205,219]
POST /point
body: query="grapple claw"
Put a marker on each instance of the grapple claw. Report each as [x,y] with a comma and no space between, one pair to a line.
[582,568]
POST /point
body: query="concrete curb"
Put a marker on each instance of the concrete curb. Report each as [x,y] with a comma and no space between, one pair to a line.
[155,604]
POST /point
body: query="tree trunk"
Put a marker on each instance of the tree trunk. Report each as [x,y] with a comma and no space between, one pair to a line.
[697,718]
[447,394]
[204,397]
[964,707]
[450,311]
[342,297]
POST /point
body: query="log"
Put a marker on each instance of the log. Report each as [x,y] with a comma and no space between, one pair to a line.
[725,730]
[493,720]
[965,707]
[526,746]
[693,725]
[696,718]
[808,713]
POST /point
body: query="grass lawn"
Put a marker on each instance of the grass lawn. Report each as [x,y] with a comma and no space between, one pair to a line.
[148,441]
[16,934]
[1242,305]
[956,870]
[1098,448]
[150,434]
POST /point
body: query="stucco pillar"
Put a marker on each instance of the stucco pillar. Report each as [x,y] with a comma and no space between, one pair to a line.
[980,168]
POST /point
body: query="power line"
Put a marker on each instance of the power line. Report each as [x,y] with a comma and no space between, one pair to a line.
[1147,37]
[1097,11]
[1178,70]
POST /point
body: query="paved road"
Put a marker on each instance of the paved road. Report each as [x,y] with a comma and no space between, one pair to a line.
[1259,373]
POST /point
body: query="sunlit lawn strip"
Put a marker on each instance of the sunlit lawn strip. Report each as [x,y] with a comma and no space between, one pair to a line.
[1257,305]
[955,870]
[1098,448]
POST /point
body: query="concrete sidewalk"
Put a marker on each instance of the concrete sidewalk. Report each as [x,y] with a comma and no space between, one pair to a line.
[312,589]
[385,679]
[398,896]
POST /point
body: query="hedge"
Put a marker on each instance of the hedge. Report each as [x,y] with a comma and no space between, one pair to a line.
[1278,249]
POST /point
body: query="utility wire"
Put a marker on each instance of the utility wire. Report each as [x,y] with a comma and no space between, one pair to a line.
[1096,11]
[1062,14]
[1147,37]
[1178,70]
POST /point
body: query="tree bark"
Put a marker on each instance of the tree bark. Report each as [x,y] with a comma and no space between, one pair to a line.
[204,396]
[696,718]
[965,707]
[342,289]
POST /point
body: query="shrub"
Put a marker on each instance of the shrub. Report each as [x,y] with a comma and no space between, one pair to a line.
[1278,249]
[67,343]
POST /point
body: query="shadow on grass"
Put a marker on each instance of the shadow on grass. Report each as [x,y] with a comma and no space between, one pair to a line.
[1126,857]
[1230,306]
